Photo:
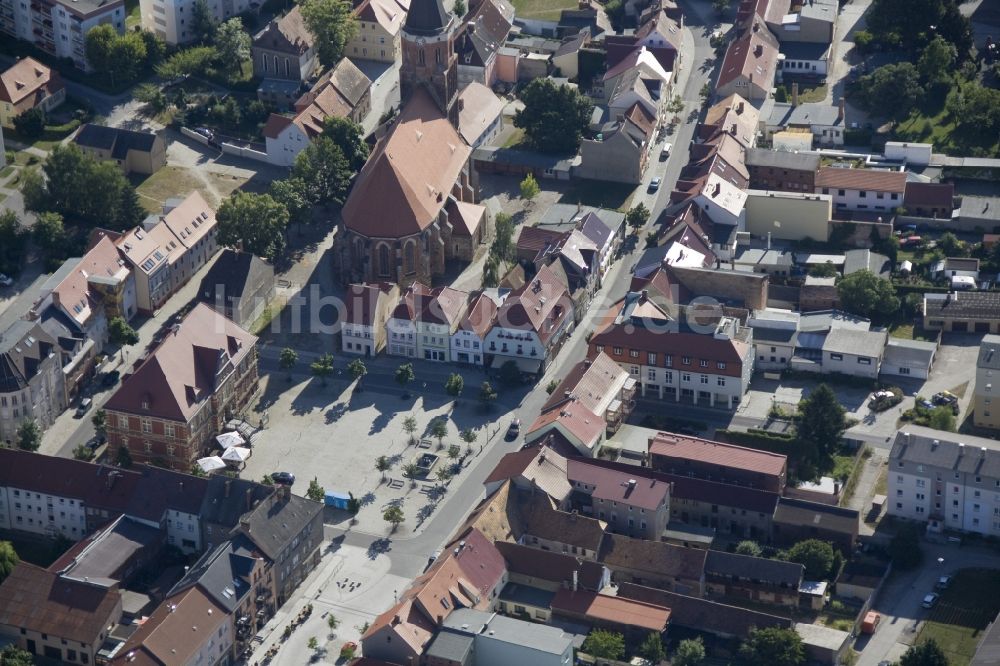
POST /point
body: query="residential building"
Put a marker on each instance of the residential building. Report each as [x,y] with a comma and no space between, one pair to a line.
[604,228]
[601,387]
[908,358]
[544,570]
[733,116]
[782,170]
[936,200]
[531,324]
[948,480]
[986,413]
[489,639]
[566,59]
[118,551]
[367,308]
[169,249]
[188,628]
[654,564]
[438,320]
[750,64]
[480,113]
[755,578]
[802,22]
[239,286]
[537,467]
[171,407]
[621,150]
[32,385]
[805,61]
[135,152]
[855,353]
[287,530]
[862,189]
[634,619]
[866,260]
[377,36]
[284,53]
[468,340]
[166,18]
[343,92]
[798,519]
[774,335]
[632,504]
[637,84]
[699,361]
[401,326]
[723,156]
[638,63]
[225,500]
[659,35]
[59,27]
[27,84]
[541,525]
[773,263]
[717,461]
[962,312]
[825,121]
[57,617]
[486,29]
[722,201]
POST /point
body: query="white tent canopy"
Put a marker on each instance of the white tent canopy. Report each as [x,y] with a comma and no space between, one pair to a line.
[211,463]
[227,440]
[236,454]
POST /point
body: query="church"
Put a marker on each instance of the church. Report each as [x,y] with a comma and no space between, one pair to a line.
[413,206]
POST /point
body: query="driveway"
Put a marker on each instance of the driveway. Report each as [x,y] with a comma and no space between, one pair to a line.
[850,20]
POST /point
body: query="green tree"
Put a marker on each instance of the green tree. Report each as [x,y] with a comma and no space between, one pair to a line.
[29,435]
[906,22]
[123,457]
[454,451]
[49,232]
[357,369]
[821,423]
[826,269]
[510,373]
[121,334]
[312,643]
[491,272]
[937,61]
[503,247]
[404,374]
[469,437]
[551,386]
[332,621]
[748,547]
[232,45]
[267,480]
[928,653]
[83,452]
[975,108]
[12,242]
[773,646]
[254,222]
[150,94]
[287,360]
[865,294]
[950,245]
[720,6]
[454,385]
[942,418]
[195,60]
[8,559]
[33,189]
[156,48]
[529,187]
[891,90]
[100,423]
[636,217]
[690,652]
[316,492]
[554,117]
[705,92]
[394,516]
[410,425]
[604,644]
[350,138]
[324,171]
[411,471]
[676,104]
[332,24]
[439,430]
[443,473]
[322,367]
[459,8]
[382,465]
[487,394]
[652,648]
[15,656]
[203,23]
[815,555]
[118,58]
[31,123]
[291,193]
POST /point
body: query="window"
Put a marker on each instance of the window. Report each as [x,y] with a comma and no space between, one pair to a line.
[863,194]
[721,381]
[634,353]
[650,358]
[651,374]
[721,365]
[864,361]
[704,379]
[617,351]
[703,363]
[836,357]
[686,360]
[686,377]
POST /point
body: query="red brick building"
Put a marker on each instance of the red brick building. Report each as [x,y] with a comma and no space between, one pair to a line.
[178,399]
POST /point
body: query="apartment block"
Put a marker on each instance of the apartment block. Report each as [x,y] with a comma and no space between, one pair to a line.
[171,20]
[59,27]
[986,407]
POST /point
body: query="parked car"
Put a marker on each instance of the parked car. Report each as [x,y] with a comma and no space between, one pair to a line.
[942,583]
[870,622]
[925,403]
[283,478]
[514,430]
[83,407]
[5,281]
[944,398]
[665,153]
[109,379]
[930,600]
[655,184]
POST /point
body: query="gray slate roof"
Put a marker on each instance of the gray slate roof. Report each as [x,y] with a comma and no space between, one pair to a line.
[782,159]
[989,353]
[902,352]
[775,572]
[227,499]
[968,305]
[847,341]
[230,275]
[916,444]
[222,574]
[784,114]
[118,141]
[273,524]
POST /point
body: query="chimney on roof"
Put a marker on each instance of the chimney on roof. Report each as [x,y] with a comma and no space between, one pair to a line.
[739,108]
[248,499]
[982,452]
[576,579]
[795,94]
[228,486]
[756,27]
[842,112]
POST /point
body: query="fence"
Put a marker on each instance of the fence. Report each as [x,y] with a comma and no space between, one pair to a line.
[244,151]
[191,134]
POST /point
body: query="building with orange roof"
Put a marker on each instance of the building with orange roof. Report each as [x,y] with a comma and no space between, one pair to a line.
[635,618]
[177,399]
[717,461]
[28,84]
[467,342]
[379,24]
[750,63]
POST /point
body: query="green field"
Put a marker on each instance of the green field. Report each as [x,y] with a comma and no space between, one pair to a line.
[964,610]
[542,10]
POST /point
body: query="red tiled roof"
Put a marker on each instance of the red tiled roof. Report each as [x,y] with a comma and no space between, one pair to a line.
[861,179]
[27,77]
[444,307]
[550,566]
[275,124]
[479,319]
[511,465]
[617,485]
[411,303]
[571,419]
[929,194]
[540,305]
[177,630]
[752,54]
[533,240]
[716,453]
[613,610]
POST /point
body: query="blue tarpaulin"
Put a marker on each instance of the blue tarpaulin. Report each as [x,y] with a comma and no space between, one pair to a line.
[337,500]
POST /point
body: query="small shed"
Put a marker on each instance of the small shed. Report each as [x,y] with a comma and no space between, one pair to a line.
[337,500]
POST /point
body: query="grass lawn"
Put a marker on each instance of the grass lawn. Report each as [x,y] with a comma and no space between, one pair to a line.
[598,193]
[174,181]
[515,138]
[24,158]
[936,126]
[811,95]
[964,610]
[132,19]
[542,10]
[911,331]
[2,197]
[6,171]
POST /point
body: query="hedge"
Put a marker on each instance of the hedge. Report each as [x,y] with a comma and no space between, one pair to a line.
[762,440]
